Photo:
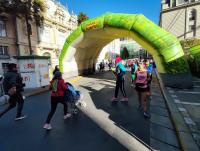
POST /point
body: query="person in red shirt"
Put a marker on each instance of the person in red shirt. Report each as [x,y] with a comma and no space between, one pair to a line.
[57,87]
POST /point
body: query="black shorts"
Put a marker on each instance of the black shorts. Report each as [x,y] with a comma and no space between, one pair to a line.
[141,87]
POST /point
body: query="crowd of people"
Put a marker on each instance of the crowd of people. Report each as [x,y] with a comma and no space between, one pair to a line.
[141,77]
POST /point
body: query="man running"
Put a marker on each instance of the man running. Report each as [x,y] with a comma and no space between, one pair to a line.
[12,81]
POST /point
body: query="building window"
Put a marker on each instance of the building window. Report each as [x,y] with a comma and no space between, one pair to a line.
[182,1]
[2,29]
[192,28]
[192,15]
[3,50]
[5,67]
[45,34]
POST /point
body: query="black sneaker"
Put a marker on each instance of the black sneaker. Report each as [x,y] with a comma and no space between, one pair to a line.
[20,117]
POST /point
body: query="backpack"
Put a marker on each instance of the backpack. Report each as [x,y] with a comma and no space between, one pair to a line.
[54,85]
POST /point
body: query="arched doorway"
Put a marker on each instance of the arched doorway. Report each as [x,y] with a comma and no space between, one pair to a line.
[83,46]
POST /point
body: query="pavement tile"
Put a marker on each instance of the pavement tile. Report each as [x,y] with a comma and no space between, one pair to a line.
[155,102]
[159,111]
[162,120]
[158,145]
[163,134]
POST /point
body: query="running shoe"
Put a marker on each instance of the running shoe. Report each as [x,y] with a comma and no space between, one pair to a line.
[47,126]
[147,115]
[124,100]
[20,117]
[68,115]
[114,99]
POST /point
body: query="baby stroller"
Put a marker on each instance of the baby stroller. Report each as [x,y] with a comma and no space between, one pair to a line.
[72,96]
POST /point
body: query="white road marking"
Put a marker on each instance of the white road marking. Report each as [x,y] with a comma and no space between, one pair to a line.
[190,92]
[171,91]
[188,120]
[196,86]
[182,109]
[190,103]
[174,96]
[177,101]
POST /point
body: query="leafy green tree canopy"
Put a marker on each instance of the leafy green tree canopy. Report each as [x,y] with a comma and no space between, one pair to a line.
[82,17]
[32,9]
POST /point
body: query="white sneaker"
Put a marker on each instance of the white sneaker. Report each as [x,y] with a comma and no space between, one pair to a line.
[20,117]
[47,126]
[68,115]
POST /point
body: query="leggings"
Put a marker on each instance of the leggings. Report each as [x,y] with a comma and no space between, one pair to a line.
[54,103]
[120,84]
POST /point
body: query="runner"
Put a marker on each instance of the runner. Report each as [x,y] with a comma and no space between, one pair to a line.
[142,88]
[149,67]
[134,68]
[13,80]
[58,87]
[119,72]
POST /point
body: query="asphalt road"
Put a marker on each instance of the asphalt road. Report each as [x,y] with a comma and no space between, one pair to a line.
[79,133]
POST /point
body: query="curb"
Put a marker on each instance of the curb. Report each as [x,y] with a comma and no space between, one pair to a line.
[35,92]
[184,135]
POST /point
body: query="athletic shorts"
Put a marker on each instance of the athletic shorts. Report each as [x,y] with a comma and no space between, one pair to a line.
[141,87]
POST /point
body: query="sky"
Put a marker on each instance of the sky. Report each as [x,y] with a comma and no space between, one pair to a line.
[94,8]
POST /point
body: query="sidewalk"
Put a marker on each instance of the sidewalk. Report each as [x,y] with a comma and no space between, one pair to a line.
[162,132]
[183,132]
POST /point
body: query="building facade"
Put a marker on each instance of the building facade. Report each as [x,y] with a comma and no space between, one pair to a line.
[46,40]
[181,18]
[58,24]
[8,47]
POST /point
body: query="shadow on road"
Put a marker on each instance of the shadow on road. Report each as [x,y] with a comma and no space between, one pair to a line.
[125,115]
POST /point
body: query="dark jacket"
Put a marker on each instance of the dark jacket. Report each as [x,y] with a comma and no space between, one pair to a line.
[12,77]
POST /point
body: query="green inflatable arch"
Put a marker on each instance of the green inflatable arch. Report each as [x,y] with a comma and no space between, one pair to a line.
[83,46]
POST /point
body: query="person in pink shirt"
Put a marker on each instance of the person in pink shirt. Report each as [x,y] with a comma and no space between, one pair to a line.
[141,82]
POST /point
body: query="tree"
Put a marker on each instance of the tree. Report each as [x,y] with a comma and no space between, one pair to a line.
[125,53]
[82,17]
[28,9]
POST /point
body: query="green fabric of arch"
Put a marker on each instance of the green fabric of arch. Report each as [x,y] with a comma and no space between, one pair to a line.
[194,50]
[156,40]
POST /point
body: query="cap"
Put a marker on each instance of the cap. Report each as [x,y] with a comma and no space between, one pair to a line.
[118,59]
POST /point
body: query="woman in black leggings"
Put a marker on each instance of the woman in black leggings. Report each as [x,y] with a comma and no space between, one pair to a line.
[58,88]
[120,72]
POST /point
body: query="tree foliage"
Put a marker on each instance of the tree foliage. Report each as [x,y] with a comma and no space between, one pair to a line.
[33,9]
[188,43]
[82,17]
